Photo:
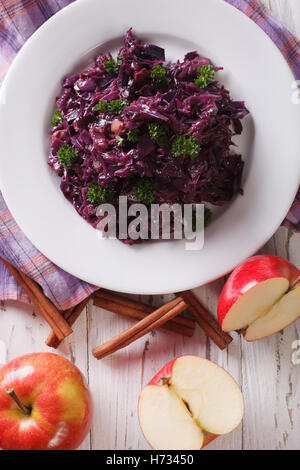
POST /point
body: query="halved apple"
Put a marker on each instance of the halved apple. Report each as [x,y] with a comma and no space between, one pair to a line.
[261,297]
[189,403]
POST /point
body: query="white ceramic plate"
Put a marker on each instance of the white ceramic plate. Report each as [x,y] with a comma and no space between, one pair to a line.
[254,71]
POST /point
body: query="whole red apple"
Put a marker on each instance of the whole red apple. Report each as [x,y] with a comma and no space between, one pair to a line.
[260,297]
[188,404]
[45,404]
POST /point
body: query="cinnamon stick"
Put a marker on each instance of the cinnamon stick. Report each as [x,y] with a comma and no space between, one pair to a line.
[46,308]
[206,321]
[152,321]
[71,316]
[138,310]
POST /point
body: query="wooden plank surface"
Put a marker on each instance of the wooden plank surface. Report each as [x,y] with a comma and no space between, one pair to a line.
[265,371]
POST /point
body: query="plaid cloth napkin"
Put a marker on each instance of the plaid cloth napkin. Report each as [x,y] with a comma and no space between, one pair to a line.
[18,20]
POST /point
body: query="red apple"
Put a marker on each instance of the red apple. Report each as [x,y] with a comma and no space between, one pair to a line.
[261,297]
[45,404]
[189,403]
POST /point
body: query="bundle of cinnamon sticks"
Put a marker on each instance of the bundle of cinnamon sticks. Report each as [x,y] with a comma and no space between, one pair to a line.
[168,316]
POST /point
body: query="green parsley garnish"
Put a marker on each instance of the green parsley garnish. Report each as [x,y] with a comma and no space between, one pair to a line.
[185,146]
[97,194]
[120,141]
[117,106]
[207,218]
[205,75]
[101,106]
[114,106]
[144,190]
[157,133]
[112,66]
[67,156]
[158,74]
[57,118]
[133,135]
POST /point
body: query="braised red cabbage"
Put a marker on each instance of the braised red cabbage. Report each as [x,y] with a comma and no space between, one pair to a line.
[100,139]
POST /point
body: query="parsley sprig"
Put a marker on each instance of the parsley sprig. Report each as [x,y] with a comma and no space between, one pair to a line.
[113,106]
[57,118]
[144,190]
[133,135]
[67,156]
[207,218]
[159,75]
[120,141]
[157,133]
[205,75]
[97,194]
[184,146]
[112,66]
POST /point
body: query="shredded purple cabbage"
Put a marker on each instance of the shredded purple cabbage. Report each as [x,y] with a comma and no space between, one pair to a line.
[182,107]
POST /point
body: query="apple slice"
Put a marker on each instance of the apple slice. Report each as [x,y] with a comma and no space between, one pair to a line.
[188,403]
[257,297]
[282,314]
[254,303]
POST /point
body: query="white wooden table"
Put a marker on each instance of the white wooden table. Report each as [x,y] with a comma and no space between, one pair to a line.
[265,371]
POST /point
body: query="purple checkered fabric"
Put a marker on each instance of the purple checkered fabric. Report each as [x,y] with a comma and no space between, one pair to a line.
[18,20]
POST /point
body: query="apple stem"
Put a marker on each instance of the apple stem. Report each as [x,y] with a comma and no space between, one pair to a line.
[25,410]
